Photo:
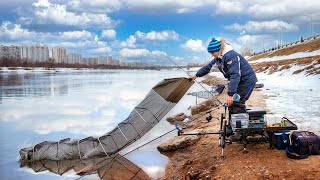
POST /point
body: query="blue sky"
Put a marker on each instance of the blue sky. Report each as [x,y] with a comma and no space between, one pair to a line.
[148,29]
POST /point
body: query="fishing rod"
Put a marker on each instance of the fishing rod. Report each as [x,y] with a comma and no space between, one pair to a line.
[235,97]
[116,157]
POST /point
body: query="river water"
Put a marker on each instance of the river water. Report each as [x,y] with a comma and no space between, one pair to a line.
[38,106]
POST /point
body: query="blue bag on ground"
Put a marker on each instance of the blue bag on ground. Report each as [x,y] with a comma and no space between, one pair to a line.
[281,139]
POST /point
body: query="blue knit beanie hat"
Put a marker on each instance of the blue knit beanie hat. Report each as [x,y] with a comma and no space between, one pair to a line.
[214,45]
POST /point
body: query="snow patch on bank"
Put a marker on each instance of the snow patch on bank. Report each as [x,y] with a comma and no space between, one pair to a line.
[296,96]
[288,57]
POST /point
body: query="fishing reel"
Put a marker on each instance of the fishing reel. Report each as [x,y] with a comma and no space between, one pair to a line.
[209,117]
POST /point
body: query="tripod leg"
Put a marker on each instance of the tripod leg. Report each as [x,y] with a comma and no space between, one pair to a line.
[221,126]
[245,149]
[245,142]
[223,139]
[222,154]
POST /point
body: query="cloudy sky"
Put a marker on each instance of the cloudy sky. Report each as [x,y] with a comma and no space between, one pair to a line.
[148,29]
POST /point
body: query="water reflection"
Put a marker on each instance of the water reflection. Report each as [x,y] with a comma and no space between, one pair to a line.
[111,167]
[51,102]
[43,84]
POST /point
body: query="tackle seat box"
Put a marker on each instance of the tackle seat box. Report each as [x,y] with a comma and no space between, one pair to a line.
[256,113]
[242,118]
[256,124]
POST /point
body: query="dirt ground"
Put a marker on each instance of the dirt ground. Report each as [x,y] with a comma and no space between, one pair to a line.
[202,160]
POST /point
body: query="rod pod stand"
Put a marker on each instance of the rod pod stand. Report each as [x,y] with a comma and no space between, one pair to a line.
[222,134]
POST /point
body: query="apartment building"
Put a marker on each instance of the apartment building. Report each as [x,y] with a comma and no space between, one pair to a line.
[135,64]
[115,62]
[59,55]
[90,61]
[74,58]
[10,51]
[105,60]
[35,53]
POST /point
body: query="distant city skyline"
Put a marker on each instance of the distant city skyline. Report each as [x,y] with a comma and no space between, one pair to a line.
[148,30]
[40,53]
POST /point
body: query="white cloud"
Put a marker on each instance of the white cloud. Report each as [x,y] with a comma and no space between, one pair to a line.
[145,55]
[270,9]
[158,53]
[264,26]
[77,35]
[160,36]
[229,7]
[130,42]
[15,32]
[141,53]
[43,3]
[46,13]
[194,45]
[285,8]
[152,36]
[195,58]
[250,39]
[184,10]
[164,6]
[134,52]
[177,58]
[101,50]
[96,6]
[109,33]
[267,10]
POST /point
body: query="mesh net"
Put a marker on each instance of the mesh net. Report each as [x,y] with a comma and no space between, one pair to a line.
[203,94]
[208,94]
[159,101]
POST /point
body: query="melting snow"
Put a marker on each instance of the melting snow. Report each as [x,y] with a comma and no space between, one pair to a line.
[287,57]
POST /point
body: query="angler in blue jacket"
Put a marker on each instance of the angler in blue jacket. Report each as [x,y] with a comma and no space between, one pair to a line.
[236,69]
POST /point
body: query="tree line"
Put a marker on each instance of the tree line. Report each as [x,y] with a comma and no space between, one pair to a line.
[50,64]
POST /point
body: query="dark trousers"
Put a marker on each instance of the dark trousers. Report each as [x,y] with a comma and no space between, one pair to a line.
[244,90]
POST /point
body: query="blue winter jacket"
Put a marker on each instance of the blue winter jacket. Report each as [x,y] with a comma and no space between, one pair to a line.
[234,67]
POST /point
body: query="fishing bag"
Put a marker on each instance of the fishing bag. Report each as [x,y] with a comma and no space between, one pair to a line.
[303,144]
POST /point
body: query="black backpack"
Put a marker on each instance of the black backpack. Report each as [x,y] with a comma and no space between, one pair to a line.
[303,144]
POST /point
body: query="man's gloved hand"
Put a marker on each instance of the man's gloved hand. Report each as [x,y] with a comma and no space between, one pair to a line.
[229,100]
[193,78]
